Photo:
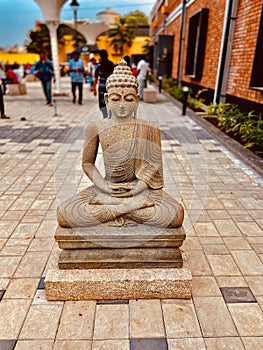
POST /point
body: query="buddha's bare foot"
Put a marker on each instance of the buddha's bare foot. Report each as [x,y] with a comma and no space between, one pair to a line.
[122,221]
[118,222]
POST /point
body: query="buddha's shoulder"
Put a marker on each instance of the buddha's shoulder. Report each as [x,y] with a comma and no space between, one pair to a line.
[147,123]
[97,125]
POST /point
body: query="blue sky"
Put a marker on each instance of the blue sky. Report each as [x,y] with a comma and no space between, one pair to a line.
[17,17]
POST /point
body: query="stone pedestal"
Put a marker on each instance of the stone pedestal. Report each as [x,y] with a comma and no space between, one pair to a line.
[137,246]
[112,284]
[129,262]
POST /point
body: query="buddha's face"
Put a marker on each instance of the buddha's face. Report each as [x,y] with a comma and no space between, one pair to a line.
[122,101]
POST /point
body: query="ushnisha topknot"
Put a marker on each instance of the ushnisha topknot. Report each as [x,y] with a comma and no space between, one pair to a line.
[122,77]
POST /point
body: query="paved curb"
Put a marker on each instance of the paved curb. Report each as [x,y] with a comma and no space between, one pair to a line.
[232,145]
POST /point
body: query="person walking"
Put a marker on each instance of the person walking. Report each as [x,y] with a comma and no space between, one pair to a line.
[2,106]
[142,70]
[103,71]
[44,71]
[76,71]
[91,68]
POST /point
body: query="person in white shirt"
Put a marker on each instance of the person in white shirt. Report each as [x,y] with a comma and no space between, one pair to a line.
[142,70]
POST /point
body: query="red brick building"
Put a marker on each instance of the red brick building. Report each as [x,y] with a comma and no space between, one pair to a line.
[216,45]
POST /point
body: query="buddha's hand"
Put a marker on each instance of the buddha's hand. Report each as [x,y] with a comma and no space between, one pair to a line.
[122,190]
[105,187]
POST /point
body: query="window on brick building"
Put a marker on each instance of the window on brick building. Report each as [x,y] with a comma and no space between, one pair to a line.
[197,31]
[256,80]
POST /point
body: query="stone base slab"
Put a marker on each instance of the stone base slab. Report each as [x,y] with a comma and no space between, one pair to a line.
[104,236]
[112,284]
[120,258]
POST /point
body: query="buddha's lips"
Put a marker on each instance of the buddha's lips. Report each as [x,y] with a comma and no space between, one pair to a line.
[122,110]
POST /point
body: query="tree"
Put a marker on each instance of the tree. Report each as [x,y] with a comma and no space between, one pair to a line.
[121,36]
[136,18]
[147,48]
[78,38]
[40,39]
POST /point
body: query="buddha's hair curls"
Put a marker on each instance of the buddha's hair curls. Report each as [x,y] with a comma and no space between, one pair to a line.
[122,77]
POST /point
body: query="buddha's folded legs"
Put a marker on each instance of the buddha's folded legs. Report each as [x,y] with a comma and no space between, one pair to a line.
[90,208]
[166,212]
[155,208]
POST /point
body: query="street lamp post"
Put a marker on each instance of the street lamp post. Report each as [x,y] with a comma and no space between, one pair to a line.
[75,6]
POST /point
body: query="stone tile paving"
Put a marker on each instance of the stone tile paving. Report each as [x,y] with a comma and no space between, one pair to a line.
[224,204]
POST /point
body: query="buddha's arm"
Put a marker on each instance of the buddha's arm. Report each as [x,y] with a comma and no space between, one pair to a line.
[89,155]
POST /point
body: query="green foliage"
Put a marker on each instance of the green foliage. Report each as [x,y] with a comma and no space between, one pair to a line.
[39,40]
[78,39]
[146,47]
[247,127]
[121,36]
[135,18]
[195,102]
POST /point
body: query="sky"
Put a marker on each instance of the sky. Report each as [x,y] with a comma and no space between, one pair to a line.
[17,17]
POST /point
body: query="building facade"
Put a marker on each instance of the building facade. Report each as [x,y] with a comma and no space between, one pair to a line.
[216,45]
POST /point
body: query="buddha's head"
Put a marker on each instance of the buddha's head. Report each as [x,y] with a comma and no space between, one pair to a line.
[122,97]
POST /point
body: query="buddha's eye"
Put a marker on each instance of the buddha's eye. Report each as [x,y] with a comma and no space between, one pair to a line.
[115,99]
[130,98]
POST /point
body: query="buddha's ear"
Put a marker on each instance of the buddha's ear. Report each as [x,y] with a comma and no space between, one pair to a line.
[136,108]
[106,98]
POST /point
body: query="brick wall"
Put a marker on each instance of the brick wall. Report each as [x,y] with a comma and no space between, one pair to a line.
[244,42]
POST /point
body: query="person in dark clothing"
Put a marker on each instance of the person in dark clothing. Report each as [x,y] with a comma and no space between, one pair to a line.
[127,59]
[103,71]
[44,71]
[2,106]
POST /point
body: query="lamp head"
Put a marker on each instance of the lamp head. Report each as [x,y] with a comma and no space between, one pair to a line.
[74,4]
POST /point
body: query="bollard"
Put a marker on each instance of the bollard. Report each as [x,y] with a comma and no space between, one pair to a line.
[185,91]
[160,79]
[55,108]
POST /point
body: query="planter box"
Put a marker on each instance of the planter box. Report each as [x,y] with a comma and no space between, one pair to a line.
[16,89]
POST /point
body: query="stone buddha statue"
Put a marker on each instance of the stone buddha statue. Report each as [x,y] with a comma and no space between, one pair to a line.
[131,192]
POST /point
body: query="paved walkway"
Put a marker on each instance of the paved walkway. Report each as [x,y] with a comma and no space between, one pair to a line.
[224,246]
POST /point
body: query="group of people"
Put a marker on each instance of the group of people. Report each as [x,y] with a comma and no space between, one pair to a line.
[9,74]
[96,75]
